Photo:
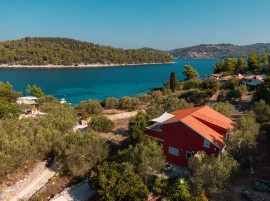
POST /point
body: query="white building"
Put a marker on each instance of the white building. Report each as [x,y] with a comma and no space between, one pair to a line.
[28,100]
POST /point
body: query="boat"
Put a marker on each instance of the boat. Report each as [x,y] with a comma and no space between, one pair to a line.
[63,100]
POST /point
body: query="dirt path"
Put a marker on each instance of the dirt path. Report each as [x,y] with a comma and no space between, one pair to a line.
[80,191]
[31,183]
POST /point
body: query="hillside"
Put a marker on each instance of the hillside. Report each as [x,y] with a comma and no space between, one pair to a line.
[220,50]
[68,52]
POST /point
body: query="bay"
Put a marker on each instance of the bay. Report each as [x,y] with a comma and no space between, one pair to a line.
[78,84]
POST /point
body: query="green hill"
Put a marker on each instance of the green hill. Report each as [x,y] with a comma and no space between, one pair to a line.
[68,52]
[220,50]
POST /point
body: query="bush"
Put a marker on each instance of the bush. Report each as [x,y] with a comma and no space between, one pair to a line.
[128,103]
[222,96]
[195,96]
[191,84]
[145,98]
[8,110]
[233,94]
[171,104]
[101,124]
[211,83]
[137,126]
[262,111]
[111,103]
[89,108]
[224,108]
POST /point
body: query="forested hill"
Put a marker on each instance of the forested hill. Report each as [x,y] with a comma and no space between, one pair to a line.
[67,52]
[220,50]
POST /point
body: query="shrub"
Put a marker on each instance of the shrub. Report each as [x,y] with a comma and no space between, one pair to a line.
[128,103]
[111,103]
[211,83]
[262,111]
[101,124]
[233,94]
[89,107]
[224,108]
[137,126]
[191,84]
[195,96]
[145,98]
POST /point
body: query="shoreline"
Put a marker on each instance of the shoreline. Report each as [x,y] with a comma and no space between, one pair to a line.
[50,66]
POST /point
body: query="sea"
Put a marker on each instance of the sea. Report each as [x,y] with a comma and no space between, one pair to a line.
[81,84]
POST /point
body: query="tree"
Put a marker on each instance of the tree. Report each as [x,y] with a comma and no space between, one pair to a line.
[111,103]
[241,143]
[83,150]
[172,81]
[229,65]
[195,96]
[146,158]
[254,64]
[224,108]
[63,118]
[101,124]
[265,60]
[262,111]
[241,65]
[171,104]
[7,93]
[190,72]
[8,110]
[34,91]
[137,126]
[90,107]
[211,83]
[233,94]
[128,103]
[209,173]
[179,191]
[114,182]
[191,84]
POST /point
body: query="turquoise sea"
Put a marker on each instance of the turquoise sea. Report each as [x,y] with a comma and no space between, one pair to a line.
[77,84]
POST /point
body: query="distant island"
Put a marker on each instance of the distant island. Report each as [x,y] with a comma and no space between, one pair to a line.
[61,52]
[220,50]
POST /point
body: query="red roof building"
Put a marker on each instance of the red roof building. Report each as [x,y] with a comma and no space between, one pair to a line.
[184,132]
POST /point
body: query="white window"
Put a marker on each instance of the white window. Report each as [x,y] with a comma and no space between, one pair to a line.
[188,155]
[206,143]
[174,151]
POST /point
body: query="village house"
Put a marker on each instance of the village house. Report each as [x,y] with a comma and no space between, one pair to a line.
[185,132]
[27,100]
[216,76]
[253,80]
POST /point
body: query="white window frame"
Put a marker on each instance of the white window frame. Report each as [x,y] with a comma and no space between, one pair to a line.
[174,151]
[188,152]
[206,143]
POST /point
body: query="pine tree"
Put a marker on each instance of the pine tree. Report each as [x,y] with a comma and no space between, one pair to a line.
[172,81]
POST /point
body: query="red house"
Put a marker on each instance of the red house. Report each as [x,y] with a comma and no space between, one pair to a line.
[184,132]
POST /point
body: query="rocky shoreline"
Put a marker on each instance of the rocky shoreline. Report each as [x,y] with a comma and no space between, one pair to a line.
[78,66]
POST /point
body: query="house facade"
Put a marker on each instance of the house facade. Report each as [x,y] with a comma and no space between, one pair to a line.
[253,80]
[185,132]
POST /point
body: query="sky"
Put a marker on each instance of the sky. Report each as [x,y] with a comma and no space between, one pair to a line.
[161,24]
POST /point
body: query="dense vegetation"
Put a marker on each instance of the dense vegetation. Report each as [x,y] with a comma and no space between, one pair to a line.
[220,50]
[255,64]
[131,173]
[26,140]
[69,52]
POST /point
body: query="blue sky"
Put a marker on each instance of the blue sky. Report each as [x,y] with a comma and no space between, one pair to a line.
[162,24]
